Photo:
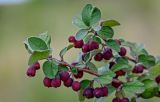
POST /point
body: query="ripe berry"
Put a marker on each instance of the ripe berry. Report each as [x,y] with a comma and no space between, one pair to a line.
[138,69]
[107,54]
[122,51]
[72,39]
[47,82]
[36,65]
[157,79]
[116,100]
[64,75]
[79,74]
[85,48]
[124,100]
[76,86]
[56,82]
[31,72]
[93,45]
[98,57]
[111,64]
[78,44]
[88,93]
[105,91]
[116,83]
[120,73]
[98,92]
[68,83]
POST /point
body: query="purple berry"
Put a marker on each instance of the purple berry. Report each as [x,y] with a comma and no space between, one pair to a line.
[157,79]
[116,83]
[116,100]
[31,72]
[124,100]
[64,75]
[105,91]
[72,39]
[98,92]
[79,74]
[85,48]
[76,86]
[56,82]
[47,82]
[93,45]
[120,73]
[88,93]
[68,83]
[107,54]
[36,65]
[78,44]
[138,69]
[98,57]
[122,51]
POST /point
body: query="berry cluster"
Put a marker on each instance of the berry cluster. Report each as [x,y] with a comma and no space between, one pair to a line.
[120,100]
[31,72]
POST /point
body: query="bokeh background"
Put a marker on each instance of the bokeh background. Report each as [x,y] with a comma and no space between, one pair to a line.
[140,22]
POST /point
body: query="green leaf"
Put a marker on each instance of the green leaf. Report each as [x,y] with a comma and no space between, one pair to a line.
[81,34]
[110,23]
[102,70]
[62,68]
[106,78]
[74,70]
[92,66]
[106,32]
[155,70]
[38,55]
[111,89]
[64,50]
[80,95]
[147,60]
[87,38]
[85,83]
[113,44]
[77,21]
[148,83]
[133,87]
[95,16]
[97,39]
[99,99]
[50,69]
[80,65]
[45,37]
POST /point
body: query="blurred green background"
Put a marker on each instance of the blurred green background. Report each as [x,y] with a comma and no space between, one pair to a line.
[139,23]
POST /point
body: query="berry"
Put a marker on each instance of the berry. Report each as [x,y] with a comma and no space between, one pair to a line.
[72,39]
[85,48]
[157,79]
[107,54]
[36,65]
[138,69]
[68,83]
[98,57]
[79,74]
[122,51]
[56,82]
[88,93]
[98,92]
[76,86]
[93,45]
[120,73]
[111,64]
[78,44]
[47,82]
[64,75]
[116,83]
[31,72]
[105,91]
[124,100]
[116,100]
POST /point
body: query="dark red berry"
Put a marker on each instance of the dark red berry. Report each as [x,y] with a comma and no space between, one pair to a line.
[31,72]
[105,91]
[78,44]
[98,92]
[88,93]
[138,69]
[56,82]
[93,45]
[116,83]
[76,86]
[124,100]
[116,100]
[64,75]
[47,82]
[36,65]
[79,74]
[107,54]
[68,83]
[98,57]
[120,73]
[122,51]
[72,39]
[85,48]
[157,79]
[111,64]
